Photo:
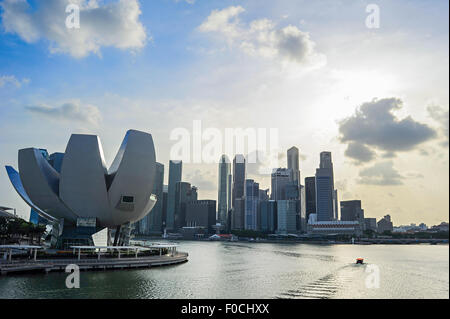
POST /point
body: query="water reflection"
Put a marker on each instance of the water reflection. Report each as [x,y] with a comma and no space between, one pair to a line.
[259,270]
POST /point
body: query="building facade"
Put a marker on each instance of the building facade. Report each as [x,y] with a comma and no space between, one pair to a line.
[280,179]
[251,204]
[238,216]
[224,195]
[175,175]
[268,216]
[287,216]
[351,211]
[201,213]
[155,217]
[184,193]
[293,163]
[325,205]
[238,178]
[334,228]
[370,224]
[385,224]
[310,196]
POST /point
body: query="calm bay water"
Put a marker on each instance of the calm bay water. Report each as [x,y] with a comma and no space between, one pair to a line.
[260,270]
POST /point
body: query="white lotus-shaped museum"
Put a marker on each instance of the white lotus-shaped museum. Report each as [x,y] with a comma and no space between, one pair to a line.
[85,188]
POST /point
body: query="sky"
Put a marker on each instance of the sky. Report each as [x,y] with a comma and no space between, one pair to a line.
[322,74]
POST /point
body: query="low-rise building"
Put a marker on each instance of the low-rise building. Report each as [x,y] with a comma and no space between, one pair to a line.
[370,224]
[385,224]
[334,228]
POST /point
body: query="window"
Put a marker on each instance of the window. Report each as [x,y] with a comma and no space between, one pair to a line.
[128,199]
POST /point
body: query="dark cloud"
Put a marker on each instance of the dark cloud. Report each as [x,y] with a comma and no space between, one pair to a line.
[72,111]
[382,174]
[374,126]
[294,44]
[359,152]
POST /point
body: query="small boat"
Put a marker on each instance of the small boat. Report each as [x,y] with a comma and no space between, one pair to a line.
[360,261]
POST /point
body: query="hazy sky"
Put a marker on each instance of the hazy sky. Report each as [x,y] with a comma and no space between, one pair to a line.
[377,98]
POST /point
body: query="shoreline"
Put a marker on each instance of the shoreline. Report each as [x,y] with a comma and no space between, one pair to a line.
[316,242]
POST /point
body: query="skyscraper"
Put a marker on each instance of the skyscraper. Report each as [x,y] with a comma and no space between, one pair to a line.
[302,209]
[280,179]
[251,204]
[294,164]
[184,193]
[156,215]
[238,216]
[224,190]
[238,178]
[152,222]
[164,205]
[351,211]
[310,194]
[325,189]
[268,216]
[175,173]
[336,204]
[201,213]
[287,216]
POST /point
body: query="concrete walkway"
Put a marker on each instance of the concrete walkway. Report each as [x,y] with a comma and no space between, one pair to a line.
[47,265]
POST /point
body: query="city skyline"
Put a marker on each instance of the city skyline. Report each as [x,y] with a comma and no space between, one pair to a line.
[352,92]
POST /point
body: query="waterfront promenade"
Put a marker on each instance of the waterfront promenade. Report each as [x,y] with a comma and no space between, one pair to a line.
[60,264]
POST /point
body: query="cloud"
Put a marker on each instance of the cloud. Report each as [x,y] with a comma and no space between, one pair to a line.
[187,1]
[382,174]
[262,37]
[441,116]
[375,127]
[12,80]
[359,152]
[114,24]
[201,179]
[72,111]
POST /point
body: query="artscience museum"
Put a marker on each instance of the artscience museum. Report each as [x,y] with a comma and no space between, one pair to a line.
[81,196]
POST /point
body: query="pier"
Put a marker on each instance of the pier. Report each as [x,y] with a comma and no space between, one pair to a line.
[103,261]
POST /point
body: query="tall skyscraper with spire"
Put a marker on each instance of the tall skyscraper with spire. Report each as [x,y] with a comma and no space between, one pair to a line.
[325,204]
[293,163]
[224,196]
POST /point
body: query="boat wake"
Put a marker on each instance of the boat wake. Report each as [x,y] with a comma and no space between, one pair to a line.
[325,287]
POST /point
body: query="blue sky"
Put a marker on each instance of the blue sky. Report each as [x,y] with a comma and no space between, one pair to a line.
[310,65]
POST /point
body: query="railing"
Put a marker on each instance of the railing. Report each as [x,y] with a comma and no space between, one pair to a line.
[93,260]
